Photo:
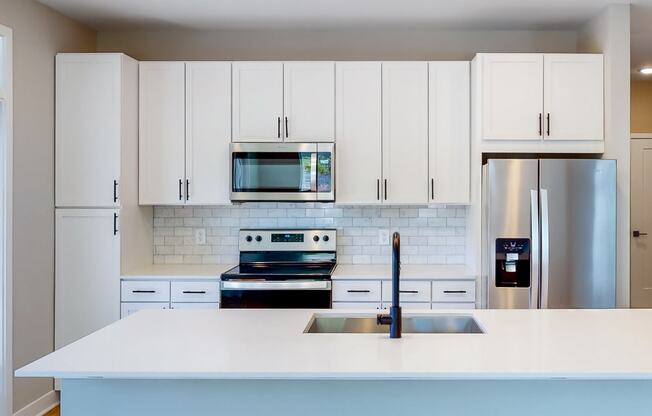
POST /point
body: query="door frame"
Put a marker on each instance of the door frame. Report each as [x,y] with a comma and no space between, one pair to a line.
[633,136]
[6,222]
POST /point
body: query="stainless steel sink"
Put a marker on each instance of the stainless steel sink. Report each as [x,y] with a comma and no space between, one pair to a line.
[416,324]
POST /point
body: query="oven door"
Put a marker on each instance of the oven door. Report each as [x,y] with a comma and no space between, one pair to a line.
[282,172]
[287,294]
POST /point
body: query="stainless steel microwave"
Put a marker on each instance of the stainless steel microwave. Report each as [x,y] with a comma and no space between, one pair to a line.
[283,172]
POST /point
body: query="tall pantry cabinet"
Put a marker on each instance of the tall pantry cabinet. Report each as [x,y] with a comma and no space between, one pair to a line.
[100,229]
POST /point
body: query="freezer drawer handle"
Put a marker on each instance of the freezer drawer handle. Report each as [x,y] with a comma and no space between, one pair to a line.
[143,291]
[454,291]
[358,291]
[194,292]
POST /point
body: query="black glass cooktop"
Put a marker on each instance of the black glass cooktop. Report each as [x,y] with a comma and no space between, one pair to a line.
[279,271]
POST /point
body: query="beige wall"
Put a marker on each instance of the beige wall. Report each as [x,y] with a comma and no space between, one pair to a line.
[641,106]
[39,33]
[314,45]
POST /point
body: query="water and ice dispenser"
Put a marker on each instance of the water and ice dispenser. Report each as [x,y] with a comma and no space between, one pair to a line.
[512,262]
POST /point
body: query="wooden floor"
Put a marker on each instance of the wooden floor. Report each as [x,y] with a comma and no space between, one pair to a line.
[53,412]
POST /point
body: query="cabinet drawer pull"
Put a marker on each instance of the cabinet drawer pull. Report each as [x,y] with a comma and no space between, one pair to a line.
[548,124]
[432,188]
[278,127]
[540,124]
[115,223]
[358,291]
[115,190]
[408,291]
[180,185]
[187,189]
[385,189]
[195,292]
[454,291]
[143,291]
[286,128]
[378,189]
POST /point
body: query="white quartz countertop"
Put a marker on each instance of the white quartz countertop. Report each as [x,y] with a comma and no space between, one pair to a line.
[177,271]
[408,272]
[270,344]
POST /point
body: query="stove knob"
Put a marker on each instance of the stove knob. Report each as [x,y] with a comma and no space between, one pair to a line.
[259,238]
[315,238]
[325,238]
[248,239]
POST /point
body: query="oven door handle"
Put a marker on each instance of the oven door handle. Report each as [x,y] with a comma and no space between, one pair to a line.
[293,285]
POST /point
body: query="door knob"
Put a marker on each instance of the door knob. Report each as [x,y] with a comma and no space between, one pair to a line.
[637,233]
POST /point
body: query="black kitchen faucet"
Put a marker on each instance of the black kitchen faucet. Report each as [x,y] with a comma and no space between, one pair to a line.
[393,319]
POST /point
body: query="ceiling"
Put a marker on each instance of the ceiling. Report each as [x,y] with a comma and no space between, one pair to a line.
[359,14]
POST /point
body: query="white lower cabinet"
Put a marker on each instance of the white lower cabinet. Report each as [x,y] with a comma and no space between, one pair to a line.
[357,305]
[145,291]
[357,291]
[410,291]
[189,305]
[453,291]
[453,305]
[128,308]
[409,305]
[193,292]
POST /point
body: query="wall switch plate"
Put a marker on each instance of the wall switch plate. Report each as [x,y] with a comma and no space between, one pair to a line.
[200,236]
[383,236]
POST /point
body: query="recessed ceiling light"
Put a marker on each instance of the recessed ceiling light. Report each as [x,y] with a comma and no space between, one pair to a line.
[646,70]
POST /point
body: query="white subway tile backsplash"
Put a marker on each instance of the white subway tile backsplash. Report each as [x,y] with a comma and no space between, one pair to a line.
[430,235]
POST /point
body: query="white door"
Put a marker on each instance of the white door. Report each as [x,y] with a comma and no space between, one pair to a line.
[449,144]
[162,133]
[573,97]
[208,132]
[87,130]
[641,224]
[257,101]
[512,96]
[309,101]
[87,272]
[405,132]
[358,106]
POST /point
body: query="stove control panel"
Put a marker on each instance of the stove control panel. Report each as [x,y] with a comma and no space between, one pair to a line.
[288,240]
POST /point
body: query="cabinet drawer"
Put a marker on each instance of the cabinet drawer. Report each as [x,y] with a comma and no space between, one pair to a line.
[195,291]
[453,305]
[453,291]
[129,308]
[357,305]
[409,305]
[195,305]
[356,291]
[145,291]
[411,291]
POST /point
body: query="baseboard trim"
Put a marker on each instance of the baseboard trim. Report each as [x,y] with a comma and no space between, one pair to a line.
[40,406]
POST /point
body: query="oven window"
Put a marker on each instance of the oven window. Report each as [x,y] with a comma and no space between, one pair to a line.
[324,169]
[272,172]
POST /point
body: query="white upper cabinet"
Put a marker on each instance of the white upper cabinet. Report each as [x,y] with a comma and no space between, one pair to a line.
[257,101]
[512,96]
[359,132]
[573,97]
[88,130]
[87,272]
[208,132]
[162,130]
[449,134]
[405,132]
[309,101]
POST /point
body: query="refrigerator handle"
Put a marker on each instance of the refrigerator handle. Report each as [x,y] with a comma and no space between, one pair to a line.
[545,249]
[534,249]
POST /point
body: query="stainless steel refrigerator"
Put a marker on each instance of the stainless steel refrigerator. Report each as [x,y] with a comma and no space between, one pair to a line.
[549,233]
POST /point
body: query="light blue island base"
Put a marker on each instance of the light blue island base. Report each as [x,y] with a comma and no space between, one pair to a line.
[100,397]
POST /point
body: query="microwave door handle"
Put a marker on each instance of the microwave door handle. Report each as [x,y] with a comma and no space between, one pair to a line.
[313,172]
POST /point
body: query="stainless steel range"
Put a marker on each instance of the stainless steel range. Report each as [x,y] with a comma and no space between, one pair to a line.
[281,269]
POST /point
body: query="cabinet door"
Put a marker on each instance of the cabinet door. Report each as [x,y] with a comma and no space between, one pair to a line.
[162,133]
[573,97]
[257,101]
[405,132]
[309,101]
[129,308]
[512,96]
[449,136]
[87,272]
[87,129]
[358,107]
[208,132]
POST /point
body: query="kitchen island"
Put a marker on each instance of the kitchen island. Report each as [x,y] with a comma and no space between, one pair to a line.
[260,362]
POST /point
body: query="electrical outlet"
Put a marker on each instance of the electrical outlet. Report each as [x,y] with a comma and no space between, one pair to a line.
[200,236]
[383,236]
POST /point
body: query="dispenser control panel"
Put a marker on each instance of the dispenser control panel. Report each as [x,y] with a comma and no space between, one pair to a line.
[512,262]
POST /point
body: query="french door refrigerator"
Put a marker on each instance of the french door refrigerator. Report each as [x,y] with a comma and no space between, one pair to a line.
[549,233]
